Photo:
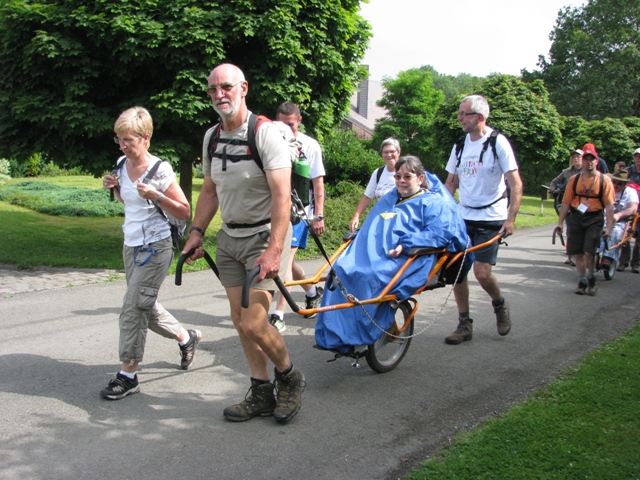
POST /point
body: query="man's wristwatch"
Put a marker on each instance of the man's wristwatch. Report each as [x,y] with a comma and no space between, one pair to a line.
[319,217]
[196,229]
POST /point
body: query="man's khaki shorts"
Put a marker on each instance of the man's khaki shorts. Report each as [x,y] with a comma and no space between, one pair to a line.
[235,256]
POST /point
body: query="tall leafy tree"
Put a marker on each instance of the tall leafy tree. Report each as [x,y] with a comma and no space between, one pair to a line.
[592,66]
[411,103]
[520,110]
[67,69]
[452,86]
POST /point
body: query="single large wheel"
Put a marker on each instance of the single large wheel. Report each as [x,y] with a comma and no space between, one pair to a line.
[611,271]
[385,355]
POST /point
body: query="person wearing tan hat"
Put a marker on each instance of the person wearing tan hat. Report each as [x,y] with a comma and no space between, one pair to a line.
[558,184]
[624,207]
[588,197]
[575,167]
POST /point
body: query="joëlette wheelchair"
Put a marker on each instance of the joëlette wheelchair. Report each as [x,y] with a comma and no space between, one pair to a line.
[388,351]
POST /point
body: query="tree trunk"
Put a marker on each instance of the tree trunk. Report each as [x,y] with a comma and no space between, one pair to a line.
[186,180]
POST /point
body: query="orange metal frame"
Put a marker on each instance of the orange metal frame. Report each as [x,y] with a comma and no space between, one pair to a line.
[445,257]
[629,228]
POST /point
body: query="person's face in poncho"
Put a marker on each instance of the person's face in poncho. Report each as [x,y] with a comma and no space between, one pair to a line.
[408,183]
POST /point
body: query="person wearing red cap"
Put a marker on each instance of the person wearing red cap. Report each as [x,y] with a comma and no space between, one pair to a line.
[588,197]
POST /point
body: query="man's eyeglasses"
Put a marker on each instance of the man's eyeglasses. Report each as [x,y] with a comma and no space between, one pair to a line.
[225,87]
[406,177]
[618,184]
[466,114]
[384,152]
[125,141]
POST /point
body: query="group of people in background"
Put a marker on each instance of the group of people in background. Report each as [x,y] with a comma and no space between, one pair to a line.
[598,208]
[254,203]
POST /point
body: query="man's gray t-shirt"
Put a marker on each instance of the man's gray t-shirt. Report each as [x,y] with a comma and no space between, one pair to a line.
[243,190]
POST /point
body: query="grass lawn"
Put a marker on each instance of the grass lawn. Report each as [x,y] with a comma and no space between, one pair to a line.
[583,425]
[29,239]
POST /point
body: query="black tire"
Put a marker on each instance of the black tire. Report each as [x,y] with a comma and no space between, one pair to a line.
[611,271]
[387,353]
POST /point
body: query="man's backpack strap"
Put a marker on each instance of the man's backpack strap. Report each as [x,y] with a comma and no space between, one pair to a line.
[255,121]
[600,193]
[252,151]
[460,148]
[491,141]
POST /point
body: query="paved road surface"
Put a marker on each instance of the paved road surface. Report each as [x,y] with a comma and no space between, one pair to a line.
[60,349]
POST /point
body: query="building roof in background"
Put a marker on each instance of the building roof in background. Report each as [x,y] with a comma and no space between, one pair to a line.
[364,109]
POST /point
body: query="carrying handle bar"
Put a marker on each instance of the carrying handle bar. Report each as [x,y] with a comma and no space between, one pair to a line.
[246,289]
[184,257]
[557,231]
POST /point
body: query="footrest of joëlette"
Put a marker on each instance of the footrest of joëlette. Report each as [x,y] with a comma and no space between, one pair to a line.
[353,352]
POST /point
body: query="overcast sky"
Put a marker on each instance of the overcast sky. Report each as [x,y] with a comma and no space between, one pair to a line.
[459,36]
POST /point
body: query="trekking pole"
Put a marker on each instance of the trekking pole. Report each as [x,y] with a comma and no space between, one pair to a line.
[557,231]
[184,257]
[246,288]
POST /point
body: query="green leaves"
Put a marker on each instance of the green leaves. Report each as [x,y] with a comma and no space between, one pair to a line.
[411,103]
[590,69]
[72,67]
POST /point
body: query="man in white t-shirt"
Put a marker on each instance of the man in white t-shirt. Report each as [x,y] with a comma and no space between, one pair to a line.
[289,114]
[624,207]
[479,167]
[255,206]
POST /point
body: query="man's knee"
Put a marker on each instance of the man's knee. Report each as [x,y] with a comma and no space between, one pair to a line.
[482,271]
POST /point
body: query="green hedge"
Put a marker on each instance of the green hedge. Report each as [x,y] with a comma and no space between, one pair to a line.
[56,200]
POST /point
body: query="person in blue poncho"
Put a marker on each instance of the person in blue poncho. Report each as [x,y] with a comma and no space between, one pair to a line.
[419,212]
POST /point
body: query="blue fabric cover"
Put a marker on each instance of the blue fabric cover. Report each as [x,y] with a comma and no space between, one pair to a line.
[430,219]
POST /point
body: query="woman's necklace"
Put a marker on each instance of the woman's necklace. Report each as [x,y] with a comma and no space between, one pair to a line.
[404,199]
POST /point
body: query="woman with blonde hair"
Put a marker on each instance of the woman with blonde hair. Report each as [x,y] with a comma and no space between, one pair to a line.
[147,187]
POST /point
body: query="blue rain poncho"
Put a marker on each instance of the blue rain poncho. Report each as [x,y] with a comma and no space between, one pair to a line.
[429,219]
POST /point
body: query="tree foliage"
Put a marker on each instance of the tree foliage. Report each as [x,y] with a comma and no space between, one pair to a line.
[592,66]
[67,69]
[452,86]
[411,103]
[345,158]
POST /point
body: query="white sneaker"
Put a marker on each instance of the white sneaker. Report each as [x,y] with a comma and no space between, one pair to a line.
[277,322]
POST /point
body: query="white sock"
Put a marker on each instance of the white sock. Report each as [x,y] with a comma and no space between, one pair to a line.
[186,340]
[128,375]
[280,313]
[313,292]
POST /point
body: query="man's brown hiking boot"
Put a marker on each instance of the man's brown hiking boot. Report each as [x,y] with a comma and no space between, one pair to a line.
[503,319]
[463,333]
[259,401]
[289,389]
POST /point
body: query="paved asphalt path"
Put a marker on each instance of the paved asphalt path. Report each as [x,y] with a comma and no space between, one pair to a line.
[60,348]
